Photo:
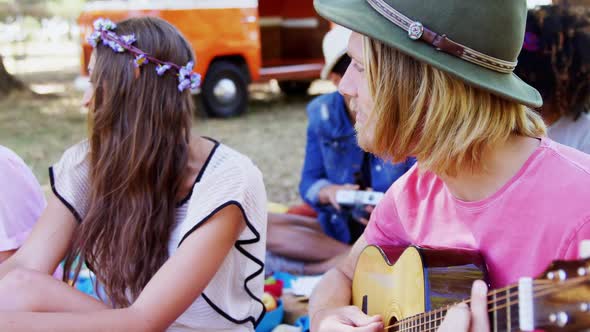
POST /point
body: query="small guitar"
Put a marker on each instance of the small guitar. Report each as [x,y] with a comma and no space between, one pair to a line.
[412,288]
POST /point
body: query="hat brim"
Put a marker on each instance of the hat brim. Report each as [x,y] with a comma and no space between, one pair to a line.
[329,66]
[359,16]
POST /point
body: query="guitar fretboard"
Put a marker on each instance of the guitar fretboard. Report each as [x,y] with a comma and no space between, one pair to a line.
[502,308]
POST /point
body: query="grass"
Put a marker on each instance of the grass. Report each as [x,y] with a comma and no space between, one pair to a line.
[272,132]
[38,129]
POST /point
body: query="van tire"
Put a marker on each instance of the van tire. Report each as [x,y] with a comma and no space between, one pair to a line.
[225,77]
[295,87]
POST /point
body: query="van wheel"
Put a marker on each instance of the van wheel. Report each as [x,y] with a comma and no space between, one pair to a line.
[225,90]
[295,87]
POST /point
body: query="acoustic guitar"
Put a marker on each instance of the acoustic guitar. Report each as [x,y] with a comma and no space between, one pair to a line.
[412,288]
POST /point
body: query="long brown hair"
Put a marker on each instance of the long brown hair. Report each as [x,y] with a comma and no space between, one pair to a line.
[442,121]
[139,141]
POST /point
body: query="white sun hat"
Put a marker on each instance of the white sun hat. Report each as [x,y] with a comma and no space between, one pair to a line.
[334,45]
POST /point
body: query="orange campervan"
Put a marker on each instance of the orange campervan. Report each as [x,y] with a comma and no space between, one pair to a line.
[236,42]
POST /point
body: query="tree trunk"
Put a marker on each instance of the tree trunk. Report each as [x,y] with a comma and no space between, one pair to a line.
[8,83]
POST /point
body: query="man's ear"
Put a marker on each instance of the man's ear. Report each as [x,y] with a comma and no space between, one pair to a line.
[136,72]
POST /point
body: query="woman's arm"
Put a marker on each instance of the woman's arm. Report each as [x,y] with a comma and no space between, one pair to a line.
[164,298]
[47,243]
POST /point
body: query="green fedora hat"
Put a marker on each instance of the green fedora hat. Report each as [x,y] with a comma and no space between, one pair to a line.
[477,41]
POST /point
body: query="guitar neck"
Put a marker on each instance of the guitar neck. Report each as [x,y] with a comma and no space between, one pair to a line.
[503,311]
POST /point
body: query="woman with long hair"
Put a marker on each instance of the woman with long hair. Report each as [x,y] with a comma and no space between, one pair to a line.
[172,224]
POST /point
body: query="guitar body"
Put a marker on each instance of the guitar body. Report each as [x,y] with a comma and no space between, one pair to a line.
[398,283]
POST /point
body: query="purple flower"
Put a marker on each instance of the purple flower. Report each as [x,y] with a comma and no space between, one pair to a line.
[184,84]
[195,81]
[140,60]
[161,69]
[116,46]
[104,24]
[185,71]
[93,39]
[128,39]
[106,41]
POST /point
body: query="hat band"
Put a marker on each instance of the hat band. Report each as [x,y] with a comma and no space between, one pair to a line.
[417,31]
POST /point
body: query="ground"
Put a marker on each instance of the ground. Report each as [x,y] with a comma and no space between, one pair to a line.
[272,133]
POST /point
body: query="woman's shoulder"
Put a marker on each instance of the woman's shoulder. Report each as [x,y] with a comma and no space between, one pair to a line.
[227,175]
[225,161]
[9,160]
[229,178]
[74,155]
[14,170]
[69,179]
[7,154]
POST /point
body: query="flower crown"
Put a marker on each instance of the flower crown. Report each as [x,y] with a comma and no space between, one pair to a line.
[103,30]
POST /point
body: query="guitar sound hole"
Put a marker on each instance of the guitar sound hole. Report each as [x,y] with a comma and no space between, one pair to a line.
[392,321]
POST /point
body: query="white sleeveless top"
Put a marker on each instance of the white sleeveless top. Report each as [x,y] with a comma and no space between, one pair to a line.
[231,300]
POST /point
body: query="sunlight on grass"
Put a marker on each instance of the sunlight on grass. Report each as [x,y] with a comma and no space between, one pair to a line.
[272,132]
[38,129]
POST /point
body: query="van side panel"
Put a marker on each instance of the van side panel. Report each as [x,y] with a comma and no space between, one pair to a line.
[216,33]
[213,32]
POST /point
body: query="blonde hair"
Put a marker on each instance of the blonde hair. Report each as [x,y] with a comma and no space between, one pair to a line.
[424,112]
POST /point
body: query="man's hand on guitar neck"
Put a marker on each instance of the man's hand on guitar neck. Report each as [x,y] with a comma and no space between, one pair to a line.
[461,318]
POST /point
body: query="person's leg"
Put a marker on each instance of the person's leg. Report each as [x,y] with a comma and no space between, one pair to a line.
[293,220]
[301,238]
[276,263]
[322,267]
[28,290]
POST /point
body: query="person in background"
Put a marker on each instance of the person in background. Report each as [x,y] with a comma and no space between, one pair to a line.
[333,162]
[556,60]
[21,202]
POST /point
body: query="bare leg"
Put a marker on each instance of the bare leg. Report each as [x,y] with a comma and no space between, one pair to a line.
[28,290]
[322,267]
[301,238]
[293,220]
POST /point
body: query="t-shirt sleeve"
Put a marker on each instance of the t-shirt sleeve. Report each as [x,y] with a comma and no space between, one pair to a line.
[572,245]
[384,224]
[240,185]
[21,200]
[69,180]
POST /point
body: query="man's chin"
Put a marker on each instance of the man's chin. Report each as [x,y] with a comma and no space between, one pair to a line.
[363,141]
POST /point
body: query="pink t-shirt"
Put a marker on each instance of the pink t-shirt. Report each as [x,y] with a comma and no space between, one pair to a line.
[21,200]
[540,215]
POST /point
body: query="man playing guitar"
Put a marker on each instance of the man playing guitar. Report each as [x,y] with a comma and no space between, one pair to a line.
[435,81]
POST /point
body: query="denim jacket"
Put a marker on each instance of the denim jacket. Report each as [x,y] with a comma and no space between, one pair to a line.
[332,156]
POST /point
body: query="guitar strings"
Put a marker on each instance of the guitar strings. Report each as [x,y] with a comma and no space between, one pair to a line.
[547,289]
[513,301]
[540,292]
